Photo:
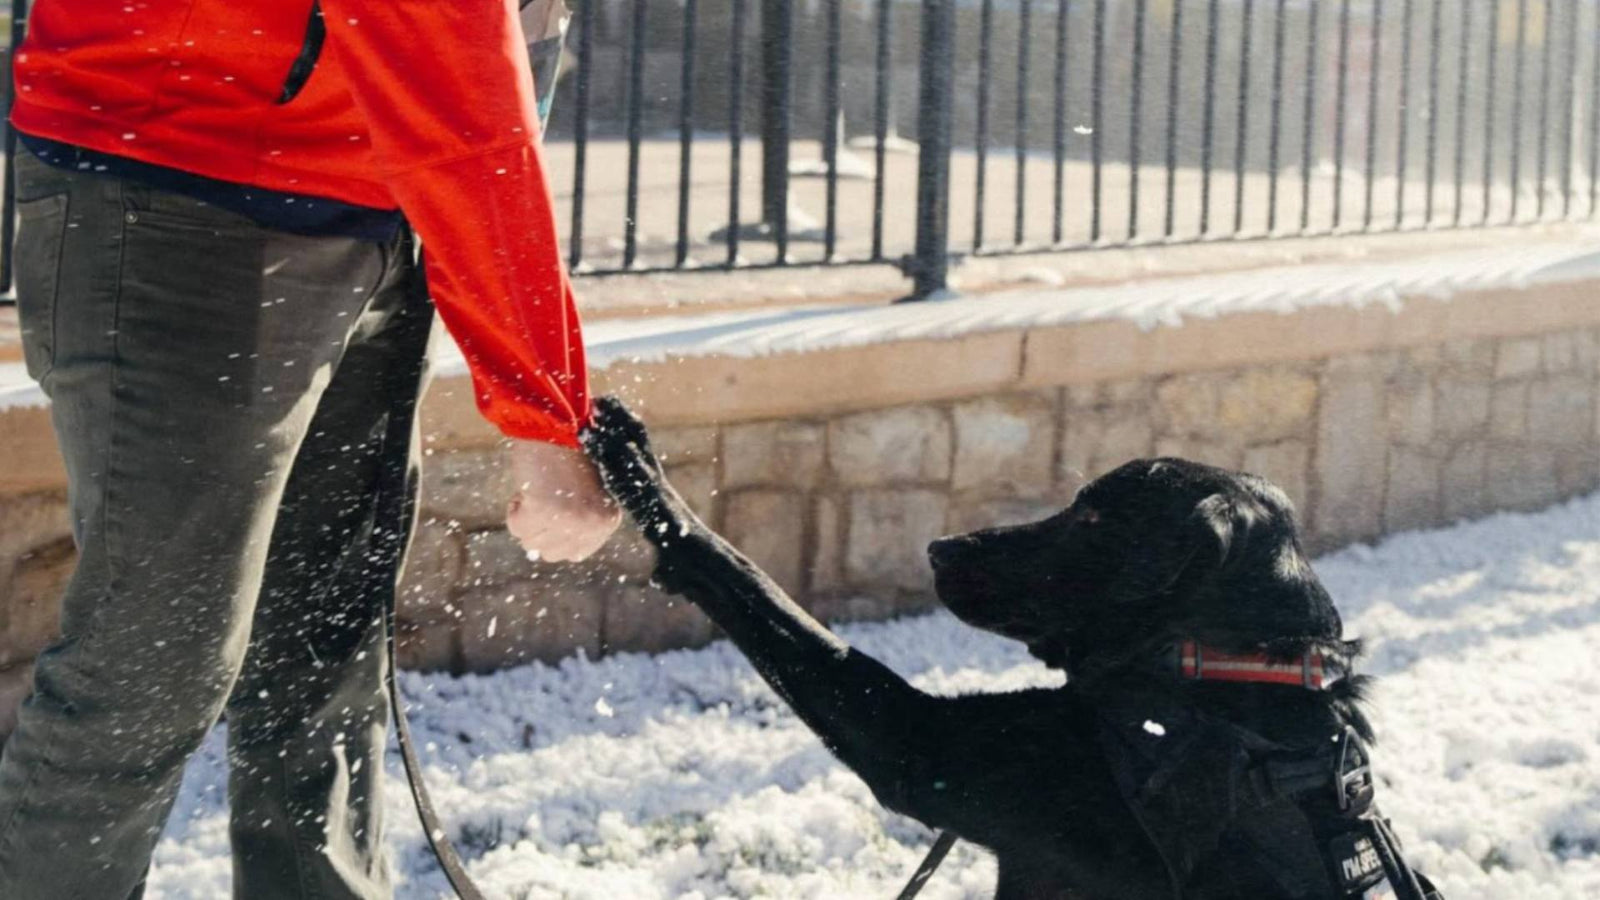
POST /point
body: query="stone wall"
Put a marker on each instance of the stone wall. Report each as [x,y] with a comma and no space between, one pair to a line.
[834,469]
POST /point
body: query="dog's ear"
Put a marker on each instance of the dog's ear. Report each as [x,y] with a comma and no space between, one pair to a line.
[1173,559]
[1263,587]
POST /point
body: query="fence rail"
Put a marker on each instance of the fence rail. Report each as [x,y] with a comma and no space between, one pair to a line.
[1059,125]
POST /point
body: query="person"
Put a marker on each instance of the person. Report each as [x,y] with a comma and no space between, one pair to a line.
[219,290]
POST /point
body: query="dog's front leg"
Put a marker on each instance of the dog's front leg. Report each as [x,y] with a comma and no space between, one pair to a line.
[866,714]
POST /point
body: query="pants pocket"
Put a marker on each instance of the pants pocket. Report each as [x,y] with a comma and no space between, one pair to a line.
[41,231]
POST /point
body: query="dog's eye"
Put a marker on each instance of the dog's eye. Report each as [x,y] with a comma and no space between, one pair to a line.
[1088,515]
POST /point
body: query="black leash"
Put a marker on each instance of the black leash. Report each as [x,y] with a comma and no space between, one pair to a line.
[930,864]
[455,871]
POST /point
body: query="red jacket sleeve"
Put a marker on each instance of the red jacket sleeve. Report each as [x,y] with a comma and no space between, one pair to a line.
[448,97]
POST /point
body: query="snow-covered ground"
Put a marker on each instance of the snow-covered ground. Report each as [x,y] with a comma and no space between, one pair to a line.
[682,776]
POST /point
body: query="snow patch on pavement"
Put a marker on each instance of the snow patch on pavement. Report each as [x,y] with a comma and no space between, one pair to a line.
[701,784]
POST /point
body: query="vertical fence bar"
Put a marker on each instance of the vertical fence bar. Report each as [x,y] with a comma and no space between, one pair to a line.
[1541,168]
[830,134]
[8,227]
[1275,120]
[1491,65]
[1518,64]
[1430,163]
[1097,89]
[1463,70]
[1403,119]
[882,64]
[1059,148]
[735,126]
[1371,162]
[1208,116]
[1569,108]
[1174,54]
[985,39]
[580,133]
[931,264]
[1242,122]
[1135,113]
[1340,81]
[1594,123]
[630,239]
[685,128]
[1024,35]
[1308,137]
[777,76]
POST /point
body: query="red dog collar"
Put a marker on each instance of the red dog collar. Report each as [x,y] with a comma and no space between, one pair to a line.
[1198,662]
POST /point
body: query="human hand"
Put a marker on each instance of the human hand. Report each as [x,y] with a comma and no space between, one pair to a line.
[559,511]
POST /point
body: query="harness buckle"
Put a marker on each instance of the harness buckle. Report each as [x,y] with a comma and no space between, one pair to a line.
[1352,774]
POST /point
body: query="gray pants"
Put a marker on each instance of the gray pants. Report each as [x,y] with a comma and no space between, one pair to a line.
[235,406]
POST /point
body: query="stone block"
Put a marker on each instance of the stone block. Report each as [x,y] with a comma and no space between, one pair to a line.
[495,557]
[1586,350]
[16,683]
[1411,412]
[1094,441]
[971,515]
[641,619]
[1508,411]
[1004,443]
[1285,464]
[1521,477]
[1411,500]
[826,565]
[684,444]
[1462,407]
[868,606]
[1212,453]
[470,486]
[1463,492]
[1261,404]
[1469,355]
[1122,394]
[772,454]
[28,521]
[897,445]
[434,568]
[1517,357]
[30,614]
[1187,404]
[889,535]
[1577,470]
[532,620]
[1561,411]
[1350,466]
[696,483]
[1561,351]
[427,646]
[769,527]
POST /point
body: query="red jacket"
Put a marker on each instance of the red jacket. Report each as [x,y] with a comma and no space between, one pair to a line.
[422,105]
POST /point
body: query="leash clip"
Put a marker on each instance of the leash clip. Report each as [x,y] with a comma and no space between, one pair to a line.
[1352,780]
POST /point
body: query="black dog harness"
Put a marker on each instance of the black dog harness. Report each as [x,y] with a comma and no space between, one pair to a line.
[1233,814]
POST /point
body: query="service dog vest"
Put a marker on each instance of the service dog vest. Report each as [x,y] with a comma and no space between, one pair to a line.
[1233,814]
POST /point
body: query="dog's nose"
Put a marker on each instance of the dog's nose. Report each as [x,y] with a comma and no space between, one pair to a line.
[948,551]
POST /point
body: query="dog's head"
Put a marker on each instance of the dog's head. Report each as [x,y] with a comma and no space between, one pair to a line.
[1153,551]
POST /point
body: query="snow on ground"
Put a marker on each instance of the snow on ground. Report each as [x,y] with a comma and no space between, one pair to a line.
[682,776]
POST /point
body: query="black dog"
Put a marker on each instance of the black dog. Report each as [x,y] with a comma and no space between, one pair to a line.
[1174,762]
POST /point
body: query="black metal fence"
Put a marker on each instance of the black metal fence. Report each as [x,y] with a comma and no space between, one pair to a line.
[680,126]
[1108,123]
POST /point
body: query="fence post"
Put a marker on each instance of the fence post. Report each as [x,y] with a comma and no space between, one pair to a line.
[8,212]
[930,265]
[777,76]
